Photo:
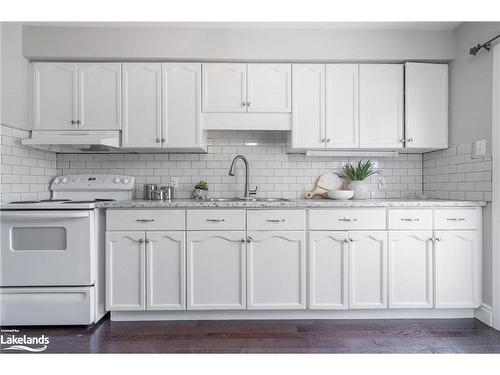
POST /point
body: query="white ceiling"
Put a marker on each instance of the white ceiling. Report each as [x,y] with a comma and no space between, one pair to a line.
[435,26]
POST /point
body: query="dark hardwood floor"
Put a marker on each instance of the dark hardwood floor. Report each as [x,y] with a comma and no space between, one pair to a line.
[274,336]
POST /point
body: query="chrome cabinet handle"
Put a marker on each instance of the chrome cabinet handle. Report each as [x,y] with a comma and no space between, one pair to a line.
[402,140]
[351,240]
[348,220]
[276,220]
[410,139]
[346,240]
[243,240]
[409,219]
[164,140]
[216,220]
[322,140]
[145,220]
[437,239]
[73,122]
[141,240]
[244,104]
[158,140]
[78,122]
[455,218]
[249,239]
[328,140]
[249,104]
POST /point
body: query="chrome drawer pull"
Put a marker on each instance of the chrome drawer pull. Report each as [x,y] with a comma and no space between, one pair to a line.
[455,218]
[276,220]
[346,219]
[145,220]
[409,219]
[216,220]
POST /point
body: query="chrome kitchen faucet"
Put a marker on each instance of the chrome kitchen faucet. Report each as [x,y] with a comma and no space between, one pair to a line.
[248,192]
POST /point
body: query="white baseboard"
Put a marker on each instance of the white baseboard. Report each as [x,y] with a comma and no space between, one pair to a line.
[484,313]
[293,314]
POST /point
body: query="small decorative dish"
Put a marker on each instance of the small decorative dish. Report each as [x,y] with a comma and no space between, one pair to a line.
[341,195]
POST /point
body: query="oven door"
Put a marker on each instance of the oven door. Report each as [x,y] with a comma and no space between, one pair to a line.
[46,248]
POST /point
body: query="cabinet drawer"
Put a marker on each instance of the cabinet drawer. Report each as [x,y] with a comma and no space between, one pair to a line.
[216,220]
[347,219]
[457,218]
[145,220]
[276,219]
[410,219]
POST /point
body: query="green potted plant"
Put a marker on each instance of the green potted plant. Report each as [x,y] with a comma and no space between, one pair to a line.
[356,175]
[200,190]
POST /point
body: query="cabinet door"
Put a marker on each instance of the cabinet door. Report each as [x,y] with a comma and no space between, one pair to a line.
[342,125]
[141,105]
[410,269]
[381,105]
[182,105]
[99,96]
[165,268]
[457,267]
[224,87]
[125,271]
[426,101]
[368,270]
[269,88]
[328,255]
[308,102]
[54,96]
[276,272]
[216,270]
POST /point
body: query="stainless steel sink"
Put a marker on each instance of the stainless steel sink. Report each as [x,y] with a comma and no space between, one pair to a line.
[223,199]
[252,199]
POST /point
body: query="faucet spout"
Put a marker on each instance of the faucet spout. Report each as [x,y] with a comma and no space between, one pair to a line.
[232,168]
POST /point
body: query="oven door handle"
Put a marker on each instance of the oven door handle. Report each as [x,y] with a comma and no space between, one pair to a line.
[44,214]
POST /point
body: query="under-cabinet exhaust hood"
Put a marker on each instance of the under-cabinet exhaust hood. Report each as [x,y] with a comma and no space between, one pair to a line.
[74,141]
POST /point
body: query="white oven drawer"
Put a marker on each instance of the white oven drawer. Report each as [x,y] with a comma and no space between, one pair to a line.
[46,248]
[410,219]
[457,218]
[145,220]
[351,219]
[276,220]
[216,219]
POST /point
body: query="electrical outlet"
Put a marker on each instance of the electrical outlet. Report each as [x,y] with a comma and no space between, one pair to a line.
[479,148]
[174,181]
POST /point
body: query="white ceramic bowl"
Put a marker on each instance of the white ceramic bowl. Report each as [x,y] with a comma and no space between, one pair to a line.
[342,195]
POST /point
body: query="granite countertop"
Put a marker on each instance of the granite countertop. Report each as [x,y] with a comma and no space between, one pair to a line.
[296,203]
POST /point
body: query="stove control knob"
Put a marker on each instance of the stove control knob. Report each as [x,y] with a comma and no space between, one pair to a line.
[57,180]
[117,180]
[65,180]
[125,180]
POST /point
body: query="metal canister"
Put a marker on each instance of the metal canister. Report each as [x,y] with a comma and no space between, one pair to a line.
[148,191]
[168,192]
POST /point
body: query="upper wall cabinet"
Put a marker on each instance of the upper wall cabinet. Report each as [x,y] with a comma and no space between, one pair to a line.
[181,84]
[70,96]
[381,106]
[426,105]
[264,88]
[142,125]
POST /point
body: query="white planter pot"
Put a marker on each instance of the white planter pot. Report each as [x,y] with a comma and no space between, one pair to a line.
[360,189]
[200,194]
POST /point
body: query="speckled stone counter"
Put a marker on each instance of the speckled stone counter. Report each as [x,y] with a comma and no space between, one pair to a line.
[298,203]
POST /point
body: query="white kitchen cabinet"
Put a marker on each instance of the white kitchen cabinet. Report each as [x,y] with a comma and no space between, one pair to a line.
[54,96]
[426,105]
[99,96]
[269,88]
[165,270]
[182,128]
[328,269]
[276,270]
[368,270]
[308,103]
[125,266]
[457,269]
[216,267]
[341,92]
[224,87]
[381,105]
[142,126]
[410,269]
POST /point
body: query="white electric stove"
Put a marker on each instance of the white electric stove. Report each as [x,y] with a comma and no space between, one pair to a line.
[52,252]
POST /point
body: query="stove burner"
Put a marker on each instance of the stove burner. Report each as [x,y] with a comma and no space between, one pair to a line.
[89,201]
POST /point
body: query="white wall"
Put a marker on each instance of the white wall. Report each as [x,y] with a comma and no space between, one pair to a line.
[249,44]
[14,71]
[470,84]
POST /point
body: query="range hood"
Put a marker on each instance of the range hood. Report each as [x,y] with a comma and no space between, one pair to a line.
[67,141]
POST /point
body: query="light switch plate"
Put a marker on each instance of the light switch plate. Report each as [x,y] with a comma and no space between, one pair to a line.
[479,148]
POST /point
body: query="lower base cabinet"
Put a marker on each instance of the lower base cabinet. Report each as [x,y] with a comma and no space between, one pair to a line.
[410,269]
[368,270]
[457,268]
[216,270]
[276,276]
